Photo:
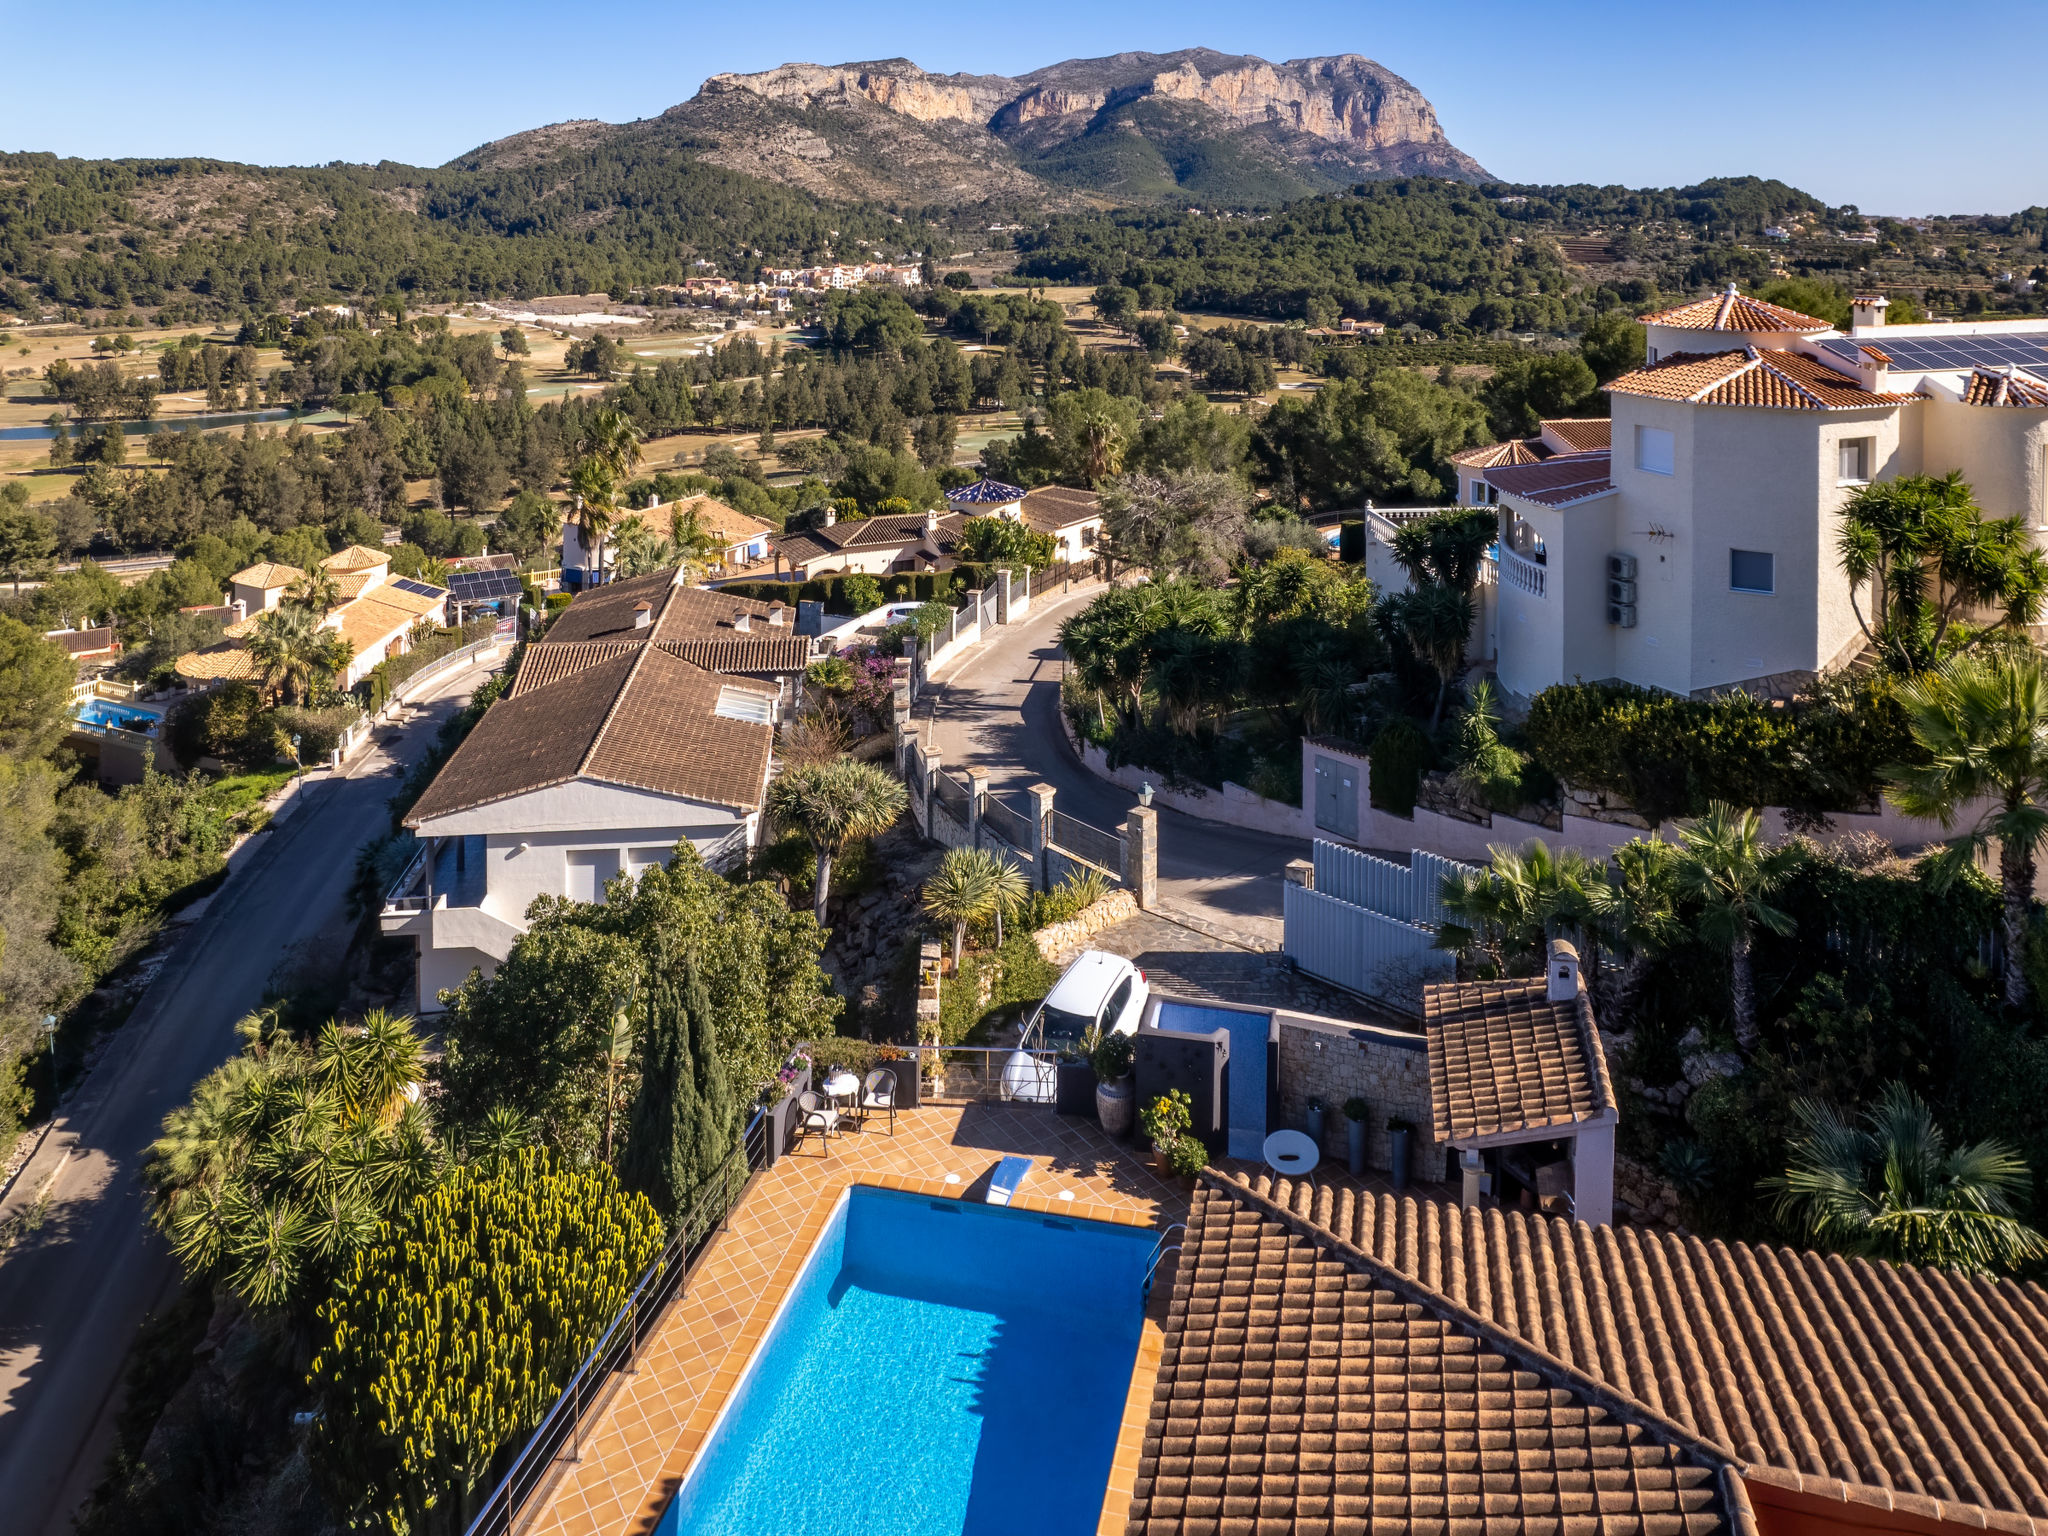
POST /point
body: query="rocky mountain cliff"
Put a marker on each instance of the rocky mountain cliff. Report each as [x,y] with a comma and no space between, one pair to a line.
[1225,127]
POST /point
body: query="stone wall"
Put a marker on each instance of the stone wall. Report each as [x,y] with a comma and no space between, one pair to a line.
[1385,1067]
[1060,942]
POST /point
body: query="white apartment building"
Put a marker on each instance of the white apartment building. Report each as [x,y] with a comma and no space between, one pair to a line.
[1695,550]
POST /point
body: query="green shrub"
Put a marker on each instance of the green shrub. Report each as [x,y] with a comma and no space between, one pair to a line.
[319,730]
[1112,1058]
[1066,901]
[1399,755]
[1186,1156]
[1017,975]
[1167,1118]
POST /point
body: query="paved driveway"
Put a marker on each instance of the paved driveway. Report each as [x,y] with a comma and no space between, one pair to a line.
[74,1289]
[997,711]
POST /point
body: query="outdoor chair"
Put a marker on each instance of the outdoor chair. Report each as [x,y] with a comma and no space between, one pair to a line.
[879,1092]
[814,1114]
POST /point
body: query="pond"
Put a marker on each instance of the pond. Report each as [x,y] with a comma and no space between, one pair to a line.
[175,423]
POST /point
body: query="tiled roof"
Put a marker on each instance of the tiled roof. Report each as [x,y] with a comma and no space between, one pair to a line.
[356,557]
[266,574]
[1788,381]
[85,642]
[370,621]
[985,492]
[1307,1386]
[1558,481]
[678,613]
[2005,387]
[645,720]
[549,661]
[353,584]
[1503,1058]
[1514,451]
[1919,1392]
[1052,507]
[228,662]
[895,532]
[716,518]
[1581,434]
[1731,311]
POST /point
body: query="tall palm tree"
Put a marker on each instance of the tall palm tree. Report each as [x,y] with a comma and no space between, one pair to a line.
[1636,908]
[834,805]
[1008,890]
[1983,723]
[1103,441]
[1723,865]
[1892,1188]
[960,892]
[1524,897]
[1437,622]
[294,651]
[319,590]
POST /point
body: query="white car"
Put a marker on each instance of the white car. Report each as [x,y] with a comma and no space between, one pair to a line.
[1095,989]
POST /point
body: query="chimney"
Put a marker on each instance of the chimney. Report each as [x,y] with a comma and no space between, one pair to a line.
[831,514]
[931,523]
[1866,311]
[1563,972]
[741,623]
[643,614]
[241,607]
[777,615]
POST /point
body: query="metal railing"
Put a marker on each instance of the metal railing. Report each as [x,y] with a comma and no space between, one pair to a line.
[1098,847]
[952,793]
[1008,823]
[400,897]
[618,1348]
[983,1074]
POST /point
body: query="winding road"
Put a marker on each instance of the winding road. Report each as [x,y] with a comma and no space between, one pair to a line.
[996,711]
[86,1269]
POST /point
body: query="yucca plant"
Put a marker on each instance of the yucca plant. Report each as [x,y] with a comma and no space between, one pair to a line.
[961,892]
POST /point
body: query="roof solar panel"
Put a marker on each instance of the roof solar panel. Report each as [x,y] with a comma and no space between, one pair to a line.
[417,588]
[482,586]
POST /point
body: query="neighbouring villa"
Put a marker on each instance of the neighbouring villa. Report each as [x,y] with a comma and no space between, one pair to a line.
[1073,518]
[1694,549]
[377,614]
[914,541]
[741,543]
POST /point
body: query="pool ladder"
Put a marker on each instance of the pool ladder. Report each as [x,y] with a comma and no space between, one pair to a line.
[1160,1250]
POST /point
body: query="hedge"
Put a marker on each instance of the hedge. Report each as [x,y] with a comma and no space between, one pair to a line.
[1669,756]
[378,683]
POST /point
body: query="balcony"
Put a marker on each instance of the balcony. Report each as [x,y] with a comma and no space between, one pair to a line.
[457,878]
[1521,573]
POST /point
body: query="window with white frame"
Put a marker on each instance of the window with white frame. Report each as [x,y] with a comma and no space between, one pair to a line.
[1656,451]
[1752,570]
[1853,460]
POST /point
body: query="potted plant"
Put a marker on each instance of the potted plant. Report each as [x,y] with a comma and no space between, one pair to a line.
[1315,1122]
[1114,1095]
[1073,1090]
[1400,1135]
[792,1079]
[1164,1121]
[1186,1156]
[1355,1112]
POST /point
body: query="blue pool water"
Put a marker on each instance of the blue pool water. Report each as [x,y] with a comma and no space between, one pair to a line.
[938,1368]
[1248,1033]
[108,715]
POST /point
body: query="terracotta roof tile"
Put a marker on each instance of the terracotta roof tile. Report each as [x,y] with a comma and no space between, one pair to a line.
[1772,379]
[872,533]
[1493,455]
[549,661]
[229,662]
[1502,1059]
[678,613]
[1052,507]
[2005,387]
[1732,311]
[267,574]
[1581,434]
[715,517]
[356,557]
[645,719]
[1558,481]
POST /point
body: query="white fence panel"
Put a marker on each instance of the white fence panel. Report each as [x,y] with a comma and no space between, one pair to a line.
[1411,893]
[1363,951]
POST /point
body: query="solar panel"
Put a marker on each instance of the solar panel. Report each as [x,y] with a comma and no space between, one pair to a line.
[2028,349]
[417,588]
[482,586]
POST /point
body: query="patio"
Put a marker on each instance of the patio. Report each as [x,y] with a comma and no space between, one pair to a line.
[638,1446]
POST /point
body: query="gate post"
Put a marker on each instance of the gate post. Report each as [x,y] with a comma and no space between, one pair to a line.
[1041,812]
[1141,855]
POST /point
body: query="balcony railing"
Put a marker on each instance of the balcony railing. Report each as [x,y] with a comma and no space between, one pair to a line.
[408,892]
[1523,574]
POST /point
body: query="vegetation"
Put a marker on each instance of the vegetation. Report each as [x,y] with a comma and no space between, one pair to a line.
[834,805]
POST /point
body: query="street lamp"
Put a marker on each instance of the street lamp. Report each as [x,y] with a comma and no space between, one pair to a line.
[50,1034]
[1145,793]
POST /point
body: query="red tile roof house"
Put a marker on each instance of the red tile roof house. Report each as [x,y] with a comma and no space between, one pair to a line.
[917,541]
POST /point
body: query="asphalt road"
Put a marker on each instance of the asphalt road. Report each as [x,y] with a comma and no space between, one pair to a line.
[997,711]
[74,1288]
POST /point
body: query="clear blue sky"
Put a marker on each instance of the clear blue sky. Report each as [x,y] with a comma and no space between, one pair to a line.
[1906,108]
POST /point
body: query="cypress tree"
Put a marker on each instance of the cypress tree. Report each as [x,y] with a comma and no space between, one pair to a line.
[714,1125]
[659,1144]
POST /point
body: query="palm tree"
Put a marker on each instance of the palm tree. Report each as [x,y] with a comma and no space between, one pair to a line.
[1008,891]
[294,651]
[1103,441]
[1983,723]
[319,590]
[1636,907]
[960,892]
[834,805]
[1525,897]
[1892,1188]
[1722,864]
[596,490]
[1436,621]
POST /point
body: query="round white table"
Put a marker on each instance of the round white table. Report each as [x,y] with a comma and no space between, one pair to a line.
[1292,1154]
[843,1085]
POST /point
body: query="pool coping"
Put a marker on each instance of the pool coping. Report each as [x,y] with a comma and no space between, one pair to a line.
[767,1307]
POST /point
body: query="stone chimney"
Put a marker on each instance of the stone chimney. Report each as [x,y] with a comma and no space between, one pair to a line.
[1563,972]
[742,623]
[1866,311]
[643,614]
[931,523]
[831,514]
[777,616]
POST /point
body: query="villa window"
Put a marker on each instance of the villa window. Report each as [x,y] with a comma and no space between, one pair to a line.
[1854,458]
[1752,570]
[1656,451]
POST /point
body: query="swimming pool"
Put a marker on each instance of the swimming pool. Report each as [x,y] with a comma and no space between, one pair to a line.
[109,715]
[1248,1033]
[938,1367]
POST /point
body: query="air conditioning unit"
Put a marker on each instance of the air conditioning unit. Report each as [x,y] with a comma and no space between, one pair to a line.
[1622,615]
[1619,591]
[1621,567]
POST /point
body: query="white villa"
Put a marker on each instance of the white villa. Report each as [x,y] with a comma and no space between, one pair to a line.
[1694,550]
[1073,518]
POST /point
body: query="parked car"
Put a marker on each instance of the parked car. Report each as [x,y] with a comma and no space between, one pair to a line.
[1094,989]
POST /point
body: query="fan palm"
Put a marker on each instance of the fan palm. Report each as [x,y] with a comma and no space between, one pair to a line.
[1635,907]
[1892,1188]
[319,589]
[1008,891]
[294,651]
[1983,724]
[1723,865]
[1526,896]
[834,805]
[961,892]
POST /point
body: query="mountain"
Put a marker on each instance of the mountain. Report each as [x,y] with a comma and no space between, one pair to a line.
[1130,127]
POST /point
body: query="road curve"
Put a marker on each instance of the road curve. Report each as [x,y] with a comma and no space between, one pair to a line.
[74,1289]
[997,711]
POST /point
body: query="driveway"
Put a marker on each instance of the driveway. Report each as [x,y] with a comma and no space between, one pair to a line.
[997,712]
[79,1280]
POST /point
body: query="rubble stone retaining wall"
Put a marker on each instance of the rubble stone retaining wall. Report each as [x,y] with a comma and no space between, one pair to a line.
[1388,1069]
[1060,942]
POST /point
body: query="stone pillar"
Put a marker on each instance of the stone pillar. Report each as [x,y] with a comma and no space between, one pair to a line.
[1593,1173]
[1301,872]
[906,747]
[977,786]
[1472,1196]
[1141,855]
[1040,797]
[931,799]
[1002,584]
